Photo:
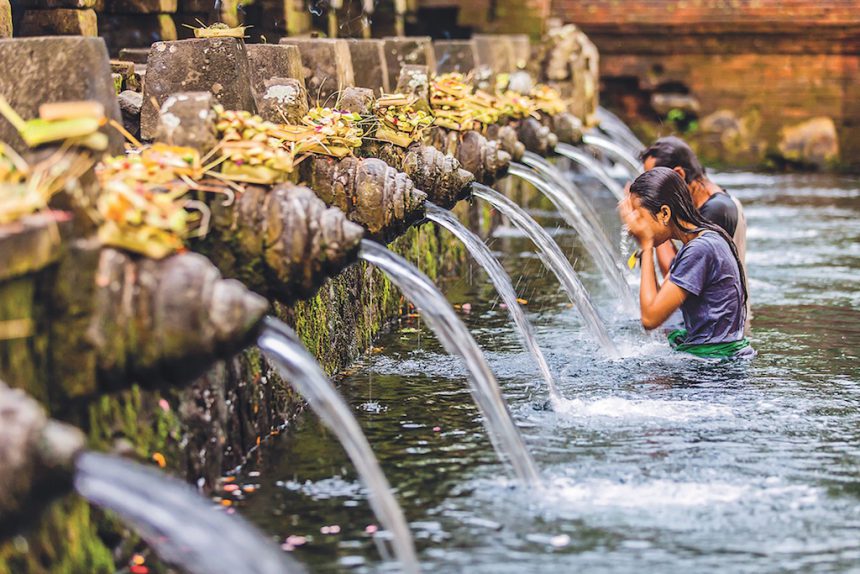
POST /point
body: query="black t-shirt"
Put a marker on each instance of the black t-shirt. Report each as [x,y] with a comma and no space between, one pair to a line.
[720,209]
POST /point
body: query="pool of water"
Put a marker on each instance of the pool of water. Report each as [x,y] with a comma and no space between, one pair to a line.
[654,462]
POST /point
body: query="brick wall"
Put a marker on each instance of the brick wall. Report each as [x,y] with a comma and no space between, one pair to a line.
[774,62]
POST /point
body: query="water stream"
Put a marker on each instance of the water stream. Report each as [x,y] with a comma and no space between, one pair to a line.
[183,528]
[554,176]
[615,152]
[457,340]
[281,345]
[619,131]
[589,229]
[592,166]
[555,260]
[501,281]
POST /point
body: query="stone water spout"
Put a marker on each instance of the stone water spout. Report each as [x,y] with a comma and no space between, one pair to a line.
[44,459]
[437,174]
[373,194]
[484,158]
[37,455]
[95,318]
[282,242]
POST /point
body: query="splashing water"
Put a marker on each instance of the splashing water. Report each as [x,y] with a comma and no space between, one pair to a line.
[555,260]
[592,166]
[297,365]
[593,238]
[616,152]
[455,337]
[183,528]
[501,281]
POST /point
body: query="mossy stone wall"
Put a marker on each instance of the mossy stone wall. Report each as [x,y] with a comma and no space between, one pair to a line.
[201,431]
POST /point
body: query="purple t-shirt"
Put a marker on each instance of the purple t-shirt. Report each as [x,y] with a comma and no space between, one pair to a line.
[714,309]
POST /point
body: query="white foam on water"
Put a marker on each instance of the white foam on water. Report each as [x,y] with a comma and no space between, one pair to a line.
[653,494]
[583,412]
[664,494]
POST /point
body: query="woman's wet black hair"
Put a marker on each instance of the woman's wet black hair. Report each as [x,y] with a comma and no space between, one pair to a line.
[674,152]
[663,186]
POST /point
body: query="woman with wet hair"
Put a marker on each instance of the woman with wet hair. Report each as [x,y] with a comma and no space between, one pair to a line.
[705,279]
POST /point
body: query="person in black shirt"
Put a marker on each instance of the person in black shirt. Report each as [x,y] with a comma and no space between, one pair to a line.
[714,203]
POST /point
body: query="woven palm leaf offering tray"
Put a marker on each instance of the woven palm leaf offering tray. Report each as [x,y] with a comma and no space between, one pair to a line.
[217,30]
[457,106]
[72,129]
[547,100]
[144,204]
[400,123]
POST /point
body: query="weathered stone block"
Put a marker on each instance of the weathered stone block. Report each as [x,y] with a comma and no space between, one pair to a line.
[401,51]
[34,71]
[455,56]
[140,6]
[30,244]
[357,101]
[369,65]
[522,50]
[59,22]
[135,55]
[54,4]
[135,31]
[130,104]
[5,19]
[282,100]
[187,119]
[415,80]
[496,51]
[274,61]
[328,67]
[215,65]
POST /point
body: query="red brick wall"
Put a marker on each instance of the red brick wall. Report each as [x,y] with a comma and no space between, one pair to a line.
[781,61]
[682,12]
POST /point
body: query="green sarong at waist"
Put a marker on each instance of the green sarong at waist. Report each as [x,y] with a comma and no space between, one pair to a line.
[706,350]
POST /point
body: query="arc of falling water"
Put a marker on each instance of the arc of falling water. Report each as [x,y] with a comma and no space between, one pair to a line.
[181,526]
[616,152]
[595,242]
[455,337]
[502,283]
[552,174]
[555,261]
[281,344]
[616,127]
[593,166]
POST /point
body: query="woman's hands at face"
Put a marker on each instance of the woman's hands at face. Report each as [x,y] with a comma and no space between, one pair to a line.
[637,220]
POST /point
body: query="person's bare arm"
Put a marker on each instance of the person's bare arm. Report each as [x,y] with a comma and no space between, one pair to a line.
[656,304]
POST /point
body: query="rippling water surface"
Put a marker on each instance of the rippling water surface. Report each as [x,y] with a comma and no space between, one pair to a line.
[654,462]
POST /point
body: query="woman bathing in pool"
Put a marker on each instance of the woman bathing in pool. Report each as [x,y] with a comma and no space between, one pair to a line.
[705,279]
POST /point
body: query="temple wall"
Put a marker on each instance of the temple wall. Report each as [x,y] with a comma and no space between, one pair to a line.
[758,67]
[199,432]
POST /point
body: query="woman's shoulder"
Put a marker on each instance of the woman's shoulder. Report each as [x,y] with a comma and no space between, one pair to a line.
[705,243]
